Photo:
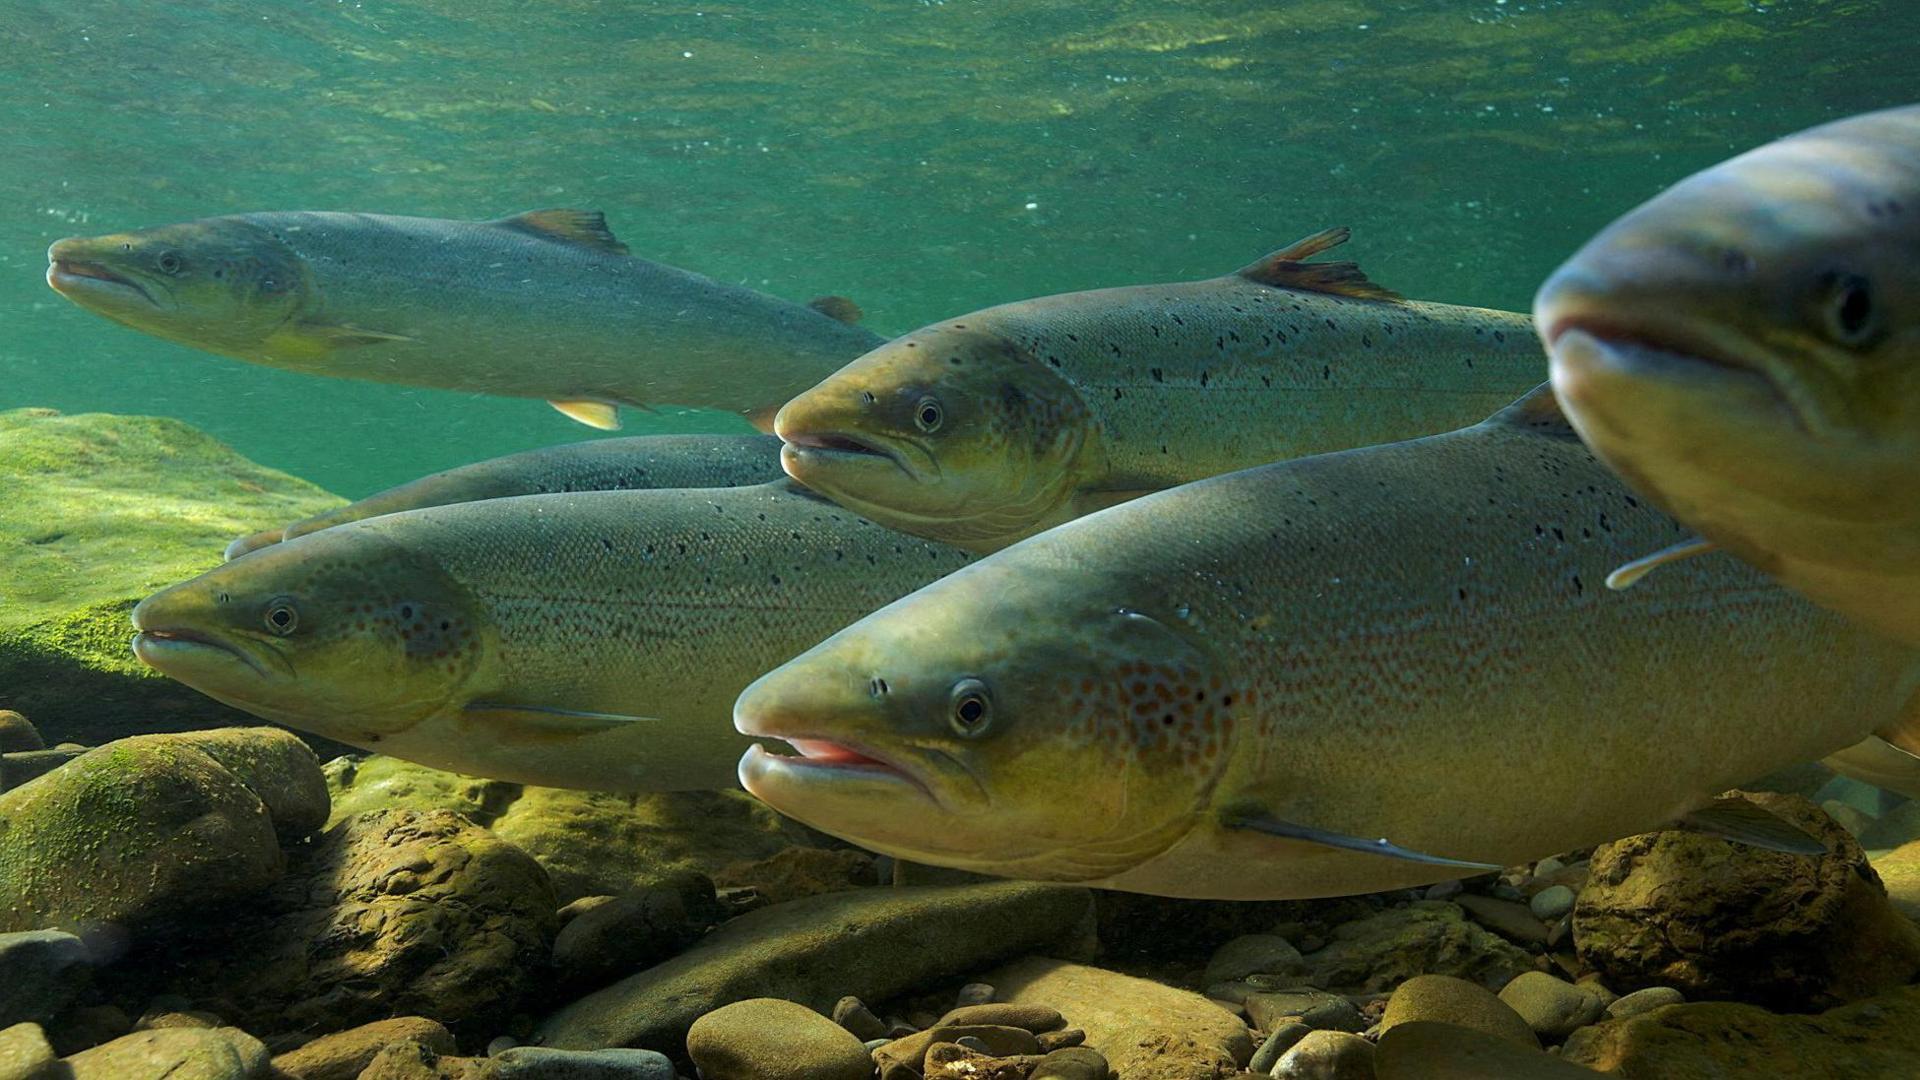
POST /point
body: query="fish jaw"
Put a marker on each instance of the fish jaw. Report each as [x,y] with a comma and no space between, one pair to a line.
[85,272]
[174,636]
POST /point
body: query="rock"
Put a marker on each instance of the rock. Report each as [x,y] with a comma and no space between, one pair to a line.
[910,1051]
[174,1054]
[274,764]
[1716,919]
[1281,1040]
[153,1021]
[1899,871]
[1449,1000]
[1251,954]
[344,1054]
[1877,1037]
[24,1053]
[1590,982]
[851,1013]
[974,993]
[796,872]
[395,911]
[1145,1030]
[1550,903]
[359,785]
[1429,1050]
[1551,1007]
[17,735]
[16,769]
[1849,817]
[1027,1016]
[771,1039]
[1896,827]
[873,943]
[86,1026]
[102,511]
[1425,937]
[591,843]
[623,935]
[1315,1008]
[1327,1055]
[1072,1063]
[131,833]
[540,1063]
[1060,1040]
[1443,890]
[1644,1001]
[408,1060]
[1511,920]
[41,971]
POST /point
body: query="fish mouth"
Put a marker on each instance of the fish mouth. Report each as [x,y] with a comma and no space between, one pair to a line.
[807,455]
[168,651]
[832,758]
[68,276]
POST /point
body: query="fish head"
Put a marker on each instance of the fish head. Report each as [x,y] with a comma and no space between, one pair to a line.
[998,726]
[953,433]
[222,284]
[343,633]
[1745,347]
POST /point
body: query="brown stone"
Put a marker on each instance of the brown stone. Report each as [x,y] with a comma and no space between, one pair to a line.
[343,1055]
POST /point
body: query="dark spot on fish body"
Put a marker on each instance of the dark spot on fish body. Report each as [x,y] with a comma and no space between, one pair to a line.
[1158,375]
[1499,335]
[1366,341]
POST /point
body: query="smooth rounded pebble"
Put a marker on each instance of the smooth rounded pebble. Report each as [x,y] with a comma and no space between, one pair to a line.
[1552,1007]
[621,935]
[975,993]
[1251,954]
[772,1039]
[1327,1055]
[541,1063]
[24,1052]
[1316,1008]
[343,1055]
[42,971]
[1276,1045]
[1551,903]
[1028,1017]
[1459,1002]
[852,1013]
[176,1054]
[1071,1063]
[1642,1001]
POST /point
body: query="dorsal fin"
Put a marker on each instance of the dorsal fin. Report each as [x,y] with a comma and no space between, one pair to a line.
[836,307]
[1286,269]
[1538,412]
[588,228]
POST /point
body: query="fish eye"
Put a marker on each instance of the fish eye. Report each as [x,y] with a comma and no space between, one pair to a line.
[970,711]
[927,415]
[1849,309]
[282,617]
[169,262]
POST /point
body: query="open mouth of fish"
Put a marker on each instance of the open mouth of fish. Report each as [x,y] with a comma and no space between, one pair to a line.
[838,449]
[158,649]
[1640,346]
[76,272]
[830,759]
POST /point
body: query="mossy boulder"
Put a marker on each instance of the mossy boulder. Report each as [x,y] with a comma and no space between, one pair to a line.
[102,511]
[130,833]
[592,843]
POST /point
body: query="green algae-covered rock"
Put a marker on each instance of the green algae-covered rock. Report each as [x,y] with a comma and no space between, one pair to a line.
[1879,1036]
[174,1054]
[592,843]
[394,912]
[872,943]
[128,833]
[100,512]
[1143,1028]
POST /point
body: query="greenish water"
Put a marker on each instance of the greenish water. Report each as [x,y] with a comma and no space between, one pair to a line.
[922,157]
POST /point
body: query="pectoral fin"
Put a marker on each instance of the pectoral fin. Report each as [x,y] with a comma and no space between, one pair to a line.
[1630,573]
[1255,821]
[314,340]
[536,724]
[1743,822]
[594,414]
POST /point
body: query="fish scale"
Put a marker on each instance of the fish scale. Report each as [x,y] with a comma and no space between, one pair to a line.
[1417,646]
